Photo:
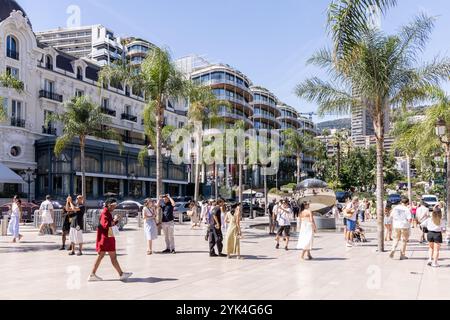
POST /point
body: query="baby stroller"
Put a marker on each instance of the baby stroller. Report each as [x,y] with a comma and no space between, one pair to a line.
[359,235]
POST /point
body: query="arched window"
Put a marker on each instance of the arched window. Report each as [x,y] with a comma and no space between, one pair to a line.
[12,48]
[80,73]
[49,62]
[127,91]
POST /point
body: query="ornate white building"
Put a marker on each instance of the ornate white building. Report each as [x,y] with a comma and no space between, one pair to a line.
[50,78]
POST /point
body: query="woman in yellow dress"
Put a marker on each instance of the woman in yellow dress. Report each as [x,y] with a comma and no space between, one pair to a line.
[233,219]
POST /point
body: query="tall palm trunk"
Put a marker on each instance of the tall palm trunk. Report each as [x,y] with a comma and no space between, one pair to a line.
[379,129]
[299,168]
[447,203]
[338,162]
[408,174]
[240,184]
[159,117]
[216,187]
[197,169]
[83,166]
[266,198]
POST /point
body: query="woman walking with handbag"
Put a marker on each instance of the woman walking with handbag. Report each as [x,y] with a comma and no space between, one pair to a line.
[193,214]
[434,226]
[233,219]
[150,227]
[106,243]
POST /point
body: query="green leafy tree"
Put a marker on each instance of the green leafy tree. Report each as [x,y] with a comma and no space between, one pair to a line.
[8,81]
[296,144]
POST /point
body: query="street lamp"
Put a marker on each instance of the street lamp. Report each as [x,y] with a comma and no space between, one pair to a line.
[28,176]
[441,132]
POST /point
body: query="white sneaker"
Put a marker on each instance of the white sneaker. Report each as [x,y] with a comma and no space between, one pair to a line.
[93,278]
[391,255]
[125,276]
[435,265]
[349,245]
[430,262]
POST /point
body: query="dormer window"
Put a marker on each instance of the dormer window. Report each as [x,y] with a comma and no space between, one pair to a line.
[80,73]
[49,62]
[12,48]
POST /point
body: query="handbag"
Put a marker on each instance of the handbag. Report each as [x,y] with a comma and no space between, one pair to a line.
[190,213]
[113,232]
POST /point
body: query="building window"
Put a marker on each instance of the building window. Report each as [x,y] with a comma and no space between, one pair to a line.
[49,86]
[80,73]
[13,72]
[79,93]
[16,110]
[12,48]
[105,103]
[49,62]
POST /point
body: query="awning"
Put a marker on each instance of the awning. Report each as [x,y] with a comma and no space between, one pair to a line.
[9,176]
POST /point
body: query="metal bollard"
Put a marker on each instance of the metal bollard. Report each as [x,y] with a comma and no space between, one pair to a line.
[4,225]
[139,220]
[180,217]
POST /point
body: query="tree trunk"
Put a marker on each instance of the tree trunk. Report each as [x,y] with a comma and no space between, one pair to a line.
[408,168]
[240,184]
[216,187]
[266,198]
[83,166]
[379,129]
[338,162]
[299,168]
[447,198]
[197,169]
[159,167]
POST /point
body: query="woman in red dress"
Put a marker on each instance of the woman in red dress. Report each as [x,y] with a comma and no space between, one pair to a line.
[106,243]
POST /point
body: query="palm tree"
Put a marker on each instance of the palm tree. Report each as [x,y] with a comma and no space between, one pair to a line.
[296,144]
[406,135]
[82,119]
[380,72]
[338,140]
[203,112]
[8,81]
[159,79]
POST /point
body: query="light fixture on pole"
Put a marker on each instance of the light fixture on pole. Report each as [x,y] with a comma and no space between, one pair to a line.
[150,151]
[28,176]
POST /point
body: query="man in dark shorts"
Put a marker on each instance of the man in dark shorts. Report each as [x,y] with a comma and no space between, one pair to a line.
[284,221]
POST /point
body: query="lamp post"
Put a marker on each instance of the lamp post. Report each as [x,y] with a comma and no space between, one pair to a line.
[28,176]
[442,133]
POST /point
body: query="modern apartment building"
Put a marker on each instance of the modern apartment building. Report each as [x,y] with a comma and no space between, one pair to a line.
[136,49]
[95,42]
[51,77]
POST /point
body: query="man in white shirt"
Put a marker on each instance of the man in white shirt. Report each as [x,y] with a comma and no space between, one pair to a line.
[284,216]
[46,212]
[422,214]
[401,224]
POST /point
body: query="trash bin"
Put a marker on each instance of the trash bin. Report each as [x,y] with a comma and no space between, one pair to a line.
[4,225]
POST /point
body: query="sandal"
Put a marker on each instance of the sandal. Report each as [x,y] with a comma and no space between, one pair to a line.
[149,252]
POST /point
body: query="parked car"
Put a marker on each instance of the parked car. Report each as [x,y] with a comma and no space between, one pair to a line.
[430,201]
[56,204]
[343,196]
[133,208]
[28,209]
[182,207]
[394,198]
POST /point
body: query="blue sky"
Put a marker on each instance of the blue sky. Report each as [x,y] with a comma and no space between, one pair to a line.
[268,40]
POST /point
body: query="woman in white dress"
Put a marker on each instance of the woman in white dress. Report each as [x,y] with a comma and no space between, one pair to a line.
[151,230]
[307,230]
[16,215]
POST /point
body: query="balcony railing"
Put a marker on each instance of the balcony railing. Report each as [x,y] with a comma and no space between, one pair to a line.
[132,140]
[49,130]
[49,66]
[50,95]
[129,117]
[15,122]
[12,54]
[109,112]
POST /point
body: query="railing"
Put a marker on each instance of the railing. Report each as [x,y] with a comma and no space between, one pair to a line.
[50,95]
[49,66]
[12,54]
[49,130]
[132,140]
[15,122]
[108,112]
[129,117]
[91,219]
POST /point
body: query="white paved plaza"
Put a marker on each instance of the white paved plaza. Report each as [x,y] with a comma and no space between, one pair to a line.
[35,269]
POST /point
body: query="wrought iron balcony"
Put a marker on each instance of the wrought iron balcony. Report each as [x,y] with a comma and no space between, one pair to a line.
[132,140]
[49,130]
[129,117]
[109,112]
[50,95]
[15,122]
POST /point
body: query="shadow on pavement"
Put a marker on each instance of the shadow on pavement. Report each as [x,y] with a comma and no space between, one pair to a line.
[149,280]
[328,259]
[249,257]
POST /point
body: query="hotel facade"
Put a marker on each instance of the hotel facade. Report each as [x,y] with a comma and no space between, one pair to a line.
[53,72]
